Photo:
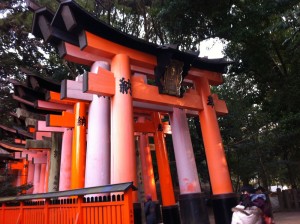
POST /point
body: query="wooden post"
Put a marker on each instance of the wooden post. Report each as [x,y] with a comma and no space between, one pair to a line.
[190,192]
[66,161]
[46,184]
[36,178]
[46,211]
[295,198]
[184,154]
[123,158]
[24,174]
[128,207]
[280,198]
[165,179]
[287,199]
[54,166]
[223,197]
[30,176]
[42,178]
[170,212]
[147,167]
[79,146]
[2,217]
[97,171]
[21,214]
[79,217]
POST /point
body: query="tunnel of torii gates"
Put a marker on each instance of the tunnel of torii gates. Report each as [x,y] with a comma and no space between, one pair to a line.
[113,104]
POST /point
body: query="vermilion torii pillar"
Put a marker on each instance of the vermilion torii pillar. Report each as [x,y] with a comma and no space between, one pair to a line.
[78,121]
[223,196]
[61,147]
[98,140]
[66,162]
[170,212]
[36,178]
[97,171]
[79,146]
[30,177]
[154,126]
[146,162]
[190,197]
[122,131]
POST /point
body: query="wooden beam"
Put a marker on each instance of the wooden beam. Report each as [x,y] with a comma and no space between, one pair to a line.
[31,129]
[73,53]
[65,120]
[24,133]
[93,44]
[102,83]
[219,105]
[19,99]
[51,106]
[30,122]
[141,91]
[41,84]
[214,78]
[39,160]
[55,98]
[145,127]
[16,166]
[43,127]
[39,135]
[147,93]
[19,141]
[25,154]
[53,34]
[73,90]
[12,130]
[11,146]
[41,144]
[22,113]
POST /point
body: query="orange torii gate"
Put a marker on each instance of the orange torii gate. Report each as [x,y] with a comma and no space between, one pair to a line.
[89,40]
[32,93]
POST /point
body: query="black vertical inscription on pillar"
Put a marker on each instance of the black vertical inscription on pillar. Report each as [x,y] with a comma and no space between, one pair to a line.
[210,101]
[55,155]
[160,127]
[125,86]
[81,121]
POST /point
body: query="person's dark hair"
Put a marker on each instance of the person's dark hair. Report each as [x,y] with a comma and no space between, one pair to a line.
[248,188]
[245,200]
[260,188]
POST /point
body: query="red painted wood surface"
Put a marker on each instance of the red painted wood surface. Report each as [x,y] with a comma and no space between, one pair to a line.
[70,210]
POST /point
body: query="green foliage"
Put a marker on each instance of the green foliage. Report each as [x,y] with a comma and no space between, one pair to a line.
[264,43]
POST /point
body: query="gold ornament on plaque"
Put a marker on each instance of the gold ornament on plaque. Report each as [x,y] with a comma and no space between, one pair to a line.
[173,78]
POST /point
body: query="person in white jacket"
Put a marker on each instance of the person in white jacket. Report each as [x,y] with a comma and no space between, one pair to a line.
[246,212]
[246,215]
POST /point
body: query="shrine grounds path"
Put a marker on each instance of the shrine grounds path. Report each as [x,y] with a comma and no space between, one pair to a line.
[292,217]
[280,217]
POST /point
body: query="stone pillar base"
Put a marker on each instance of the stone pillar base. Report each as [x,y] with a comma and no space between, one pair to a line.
[193,209]
[170,214]
[222,204]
